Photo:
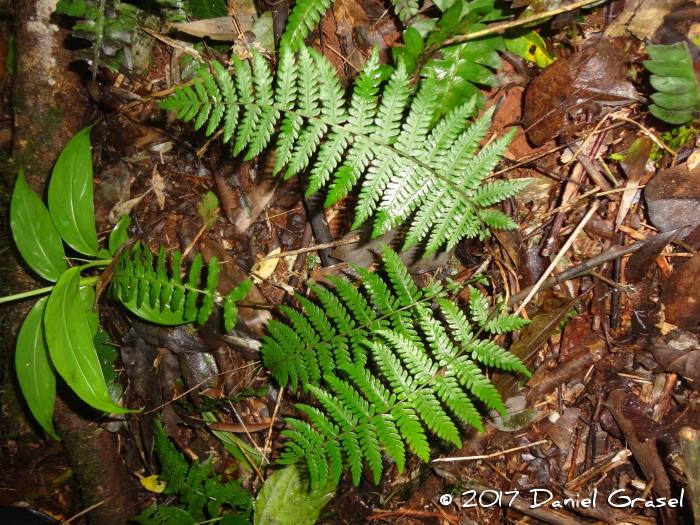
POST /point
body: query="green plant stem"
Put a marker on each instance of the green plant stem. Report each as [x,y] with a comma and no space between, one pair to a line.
[85,281]
[516,23]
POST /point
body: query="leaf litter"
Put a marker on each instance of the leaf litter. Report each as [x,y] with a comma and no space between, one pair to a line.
[612,342]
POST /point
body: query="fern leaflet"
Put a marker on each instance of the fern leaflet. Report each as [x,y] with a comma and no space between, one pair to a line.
[386,137]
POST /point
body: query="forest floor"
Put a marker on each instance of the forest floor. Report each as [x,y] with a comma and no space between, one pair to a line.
[608,236]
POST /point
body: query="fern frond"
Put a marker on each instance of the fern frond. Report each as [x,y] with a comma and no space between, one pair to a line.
[197,485]
[385,140]
[154,296]
[407,372]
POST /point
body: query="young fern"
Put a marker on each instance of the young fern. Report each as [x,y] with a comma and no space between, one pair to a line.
[153,295]
[386,136]
[197,485]
[382,365]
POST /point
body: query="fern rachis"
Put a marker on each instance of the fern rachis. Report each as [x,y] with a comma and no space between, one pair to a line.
[382,365]
[386,137]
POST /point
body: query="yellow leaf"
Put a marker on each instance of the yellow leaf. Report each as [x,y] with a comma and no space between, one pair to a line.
[151,483]
[264,269]
[531,47]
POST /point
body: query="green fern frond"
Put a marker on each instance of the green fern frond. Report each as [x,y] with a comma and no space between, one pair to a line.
[384,141]
[197,486]
[155,297]
[391,369]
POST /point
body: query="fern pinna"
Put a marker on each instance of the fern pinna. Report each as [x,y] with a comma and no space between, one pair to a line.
[382,364]
[197,485]
[410,164]
[153,295]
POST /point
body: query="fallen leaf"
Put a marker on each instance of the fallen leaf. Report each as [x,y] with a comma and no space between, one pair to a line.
[222,28]
[576,84]
[264,269]
[694,160]
[158,185]
[152,484]
[673,202]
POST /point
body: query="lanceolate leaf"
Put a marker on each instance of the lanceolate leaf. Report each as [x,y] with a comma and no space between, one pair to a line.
[34,371]
[70,195]
[119,235]
[70,344]
[35,235]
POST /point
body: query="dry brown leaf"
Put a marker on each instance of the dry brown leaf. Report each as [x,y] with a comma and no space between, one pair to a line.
[158,185]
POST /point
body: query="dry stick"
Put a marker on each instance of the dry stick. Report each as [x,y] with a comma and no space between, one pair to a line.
[200,233]
[617,459]
[489,456]
[516,23]
[254,363]
[568,193]
[85,511]
[523,162]
[268,439]
[409,512]
[561,253]
[580,269]
[339,242]
[647,133]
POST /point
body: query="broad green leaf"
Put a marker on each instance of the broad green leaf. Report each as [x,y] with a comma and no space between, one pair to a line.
[34,371]
[264,32]
[287,498]
[107,354]
[208,207]
[35,235]
[87,297]
[70,344]
[414,41]
[119,234]
[70,195]
[203,9]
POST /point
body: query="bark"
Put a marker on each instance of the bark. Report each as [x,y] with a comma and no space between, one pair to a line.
[49,100]
[50,106]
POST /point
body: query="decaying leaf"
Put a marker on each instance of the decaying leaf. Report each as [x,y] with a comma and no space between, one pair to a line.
[264,269]
[578,84]
[673,201]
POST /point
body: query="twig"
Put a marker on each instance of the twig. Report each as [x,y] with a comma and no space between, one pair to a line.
[85,511]
[516,23]
[409,512]
[615,461]
[201,231]
[647,133]
[254,363]
[556,260]
[268,439]
[339,242]
[580,269]
[249,436]
[489,456]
